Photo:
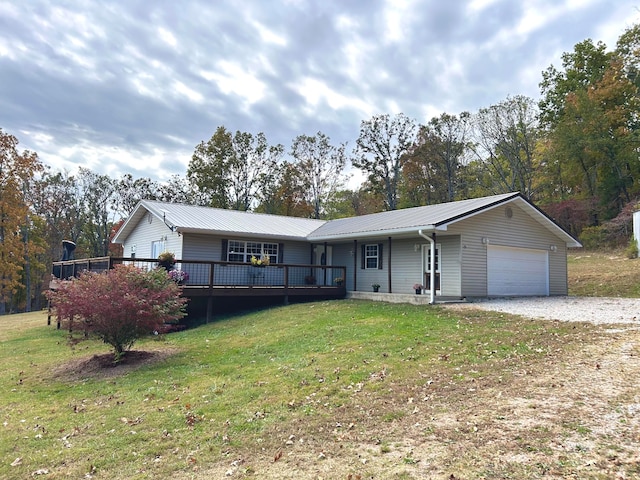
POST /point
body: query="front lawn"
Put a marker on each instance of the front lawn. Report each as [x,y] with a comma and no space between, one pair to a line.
[327,389]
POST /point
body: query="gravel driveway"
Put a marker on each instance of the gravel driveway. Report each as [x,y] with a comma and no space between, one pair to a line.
[571,309]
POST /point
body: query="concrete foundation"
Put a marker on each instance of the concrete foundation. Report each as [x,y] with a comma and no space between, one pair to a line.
[401,298]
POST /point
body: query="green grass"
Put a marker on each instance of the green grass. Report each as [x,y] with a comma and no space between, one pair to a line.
[240,385]
[603,274]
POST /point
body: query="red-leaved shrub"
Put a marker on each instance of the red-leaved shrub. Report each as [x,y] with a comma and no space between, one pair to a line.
[120,305]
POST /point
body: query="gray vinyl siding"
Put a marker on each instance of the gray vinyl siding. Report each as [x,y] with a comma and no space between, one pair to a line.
[406,269]
[521,230]
[366,277]
[209,248]
[451,266]
[343,257]
[406,265]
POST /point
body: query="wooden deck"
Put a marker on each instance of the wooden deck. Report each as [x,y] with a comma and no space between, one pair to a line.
[215,279]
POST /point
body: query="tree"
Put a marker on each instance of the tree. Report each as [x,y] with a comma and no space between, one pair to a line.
[284,193]
[226,170]
[590,110]
[505,139]
[321,165]
[129,192]
[253,159]
[431,170]
[98,198]
[596,140]
[17,171]
[581,68]
[119,306]
[628,51]
[380,152]
[58,215]
[349,203]
[56,198]
[178,190]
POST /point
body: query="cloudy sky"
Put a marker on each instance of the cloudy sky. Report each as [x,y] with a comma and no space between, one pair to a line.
[132,86]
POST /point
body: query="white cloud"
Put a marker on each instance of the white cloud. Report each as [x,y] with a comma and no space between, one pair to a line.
[167,37]
[188,92]
[117,87]
[269,36]
[231,78]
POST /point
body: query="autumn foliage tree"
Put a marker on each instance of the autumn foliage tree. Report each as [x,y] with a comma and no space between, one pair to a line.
[17,170]
[381,150]
[119,306]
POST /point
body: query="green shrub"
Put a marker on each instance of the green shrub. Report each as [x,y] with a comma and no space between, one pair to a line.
[593,238]
[632,249]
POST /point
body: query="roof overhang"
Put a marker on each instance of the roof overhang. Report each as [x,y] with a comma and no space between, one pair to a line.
[130,223]
[225,233]
[392,232]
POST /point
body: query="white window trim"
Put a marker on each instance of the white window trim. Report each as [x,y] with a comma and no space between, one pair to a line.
[273,257]
[438,259]
[367,256]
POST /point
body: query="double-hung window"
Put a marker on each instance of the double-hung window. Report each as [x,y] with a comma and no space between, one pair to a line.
[241,251]
[371,256]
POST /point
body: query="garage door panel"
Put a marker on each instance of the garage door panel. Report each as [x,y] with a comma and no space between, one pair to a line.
[517,271]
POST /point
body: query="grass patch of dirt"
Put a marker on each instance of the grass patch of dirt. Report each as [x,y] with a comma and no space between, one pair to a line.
[102,366]
[603,274]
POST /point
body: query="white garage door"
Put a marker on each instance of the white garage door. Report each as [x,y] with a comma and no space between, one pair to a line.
[517,271]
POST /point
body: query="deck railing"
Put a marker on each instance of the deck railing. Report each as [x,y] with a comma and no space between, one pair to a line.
[216,274]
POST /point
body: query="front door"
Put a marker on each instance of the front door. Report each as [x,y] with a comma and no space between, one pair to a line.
[323,257]
[426,263]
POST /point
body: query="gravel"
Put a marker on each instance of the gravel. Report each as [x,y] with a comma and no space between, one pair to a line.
[570,309]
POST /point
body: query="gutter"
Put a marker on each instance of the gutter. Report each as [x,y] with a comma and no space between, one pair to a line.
[373,233]
[432,266]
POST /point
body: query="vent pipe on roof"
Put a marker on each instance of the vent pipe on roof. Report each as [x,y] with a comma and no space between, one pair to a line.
[432,267]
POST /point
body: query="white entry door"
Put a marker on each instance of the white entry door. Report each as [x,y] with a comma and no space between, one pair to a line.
[426,264]
[517,271]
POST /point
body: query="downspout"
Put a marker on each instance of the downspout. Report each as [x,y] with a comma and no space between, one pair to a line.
[432,267]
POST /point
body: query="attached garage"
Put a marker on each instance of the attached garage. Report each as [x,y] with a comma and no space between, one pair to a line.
[517,271]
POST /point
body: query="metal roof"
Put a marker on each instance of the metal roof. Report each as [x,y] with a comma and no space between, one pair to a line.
[195,219]
[430,218]
[427,217]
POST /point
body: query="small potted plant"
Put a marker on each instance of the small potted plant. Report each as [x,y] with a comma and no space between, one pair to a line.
[338,281]
[167,260]
[418,288]
[260,262]
[310,280]
[179,276]
[376,287]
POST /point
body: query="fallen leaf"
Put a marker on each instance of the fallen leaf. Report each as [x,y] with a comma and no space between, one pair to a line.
[278,456]
[16,462]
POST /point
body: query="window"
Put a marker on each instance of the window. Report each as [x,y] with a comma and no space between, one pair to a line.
[371,256]
[427,266]
[157,248]
[240,251]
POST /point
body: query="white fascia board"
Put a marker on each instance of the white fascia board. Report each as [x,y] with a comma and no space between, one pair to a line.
[377,233]
[234,234]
